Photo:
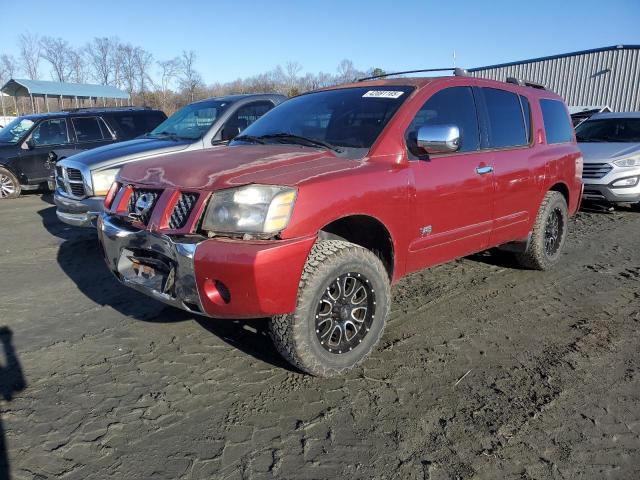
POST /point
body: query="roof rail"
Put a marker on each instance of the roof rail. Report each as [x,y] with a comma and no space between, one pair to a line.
[458,72]
[96,108]
[525,83]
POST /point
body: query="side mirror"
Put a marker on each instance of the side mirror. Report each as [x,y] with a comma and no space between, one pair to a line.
[229,132]
[439,138]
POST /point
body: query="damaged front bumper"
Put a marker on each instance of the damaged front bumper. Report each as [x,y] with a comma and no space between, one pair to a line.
[152,264]
[216,277]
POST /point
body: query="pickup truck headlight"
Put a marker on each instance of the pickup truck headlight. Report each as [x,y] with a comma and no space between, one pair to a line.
[103,180]
[628,162]
[250,209]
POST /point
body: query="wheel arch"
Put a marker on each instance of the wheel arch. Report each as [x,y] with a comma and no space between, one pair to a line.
[562,188]
[368,232]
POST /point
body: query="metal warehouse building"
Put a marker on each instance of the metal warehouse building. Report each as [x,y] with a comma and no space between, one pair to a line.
[603,76]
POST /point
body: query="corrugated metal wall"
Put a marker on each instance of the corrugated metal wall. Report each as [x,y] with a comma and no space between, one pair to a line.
[608,77]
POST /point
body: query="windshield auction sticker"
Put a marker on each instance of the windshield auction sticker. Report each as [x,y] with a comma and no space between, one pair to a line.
[382,94]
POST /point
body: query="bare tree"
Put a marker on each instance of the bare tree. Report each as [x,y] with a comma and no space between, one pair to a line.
[100,53]
[56,51]
[190,79]
[78,72]
[117,61]
[129,67]
[346,71]
[293,69]
[169,70]
[8,68]
[30,54]
[143,61]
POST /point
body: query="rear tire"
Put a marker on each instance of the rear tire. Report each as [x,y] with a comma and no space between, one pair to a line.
[549,234]
[9,184]
[343,303]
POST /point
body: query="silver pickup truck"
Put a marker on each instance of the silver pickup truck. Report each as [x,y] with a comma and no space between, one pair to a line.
[83,180]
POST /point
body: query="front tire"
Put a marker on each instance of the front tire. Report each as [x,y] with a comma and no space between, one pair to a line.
[9,184]
[549,234]
[343,303]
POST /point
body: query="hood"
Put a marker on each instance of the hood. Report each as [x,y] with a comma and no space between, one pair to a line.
[237,165]
[122,152]
[602,152]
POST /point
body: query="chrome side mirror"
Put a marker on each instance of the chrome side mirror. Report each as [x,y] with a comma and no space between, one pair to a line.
[439,138]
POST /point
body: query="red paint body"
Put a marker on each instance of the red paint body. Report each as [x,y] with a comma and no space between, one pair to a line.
[467,212]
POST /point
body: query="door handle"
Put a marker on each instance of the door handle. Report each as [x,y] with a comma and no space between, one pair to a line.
[483,170]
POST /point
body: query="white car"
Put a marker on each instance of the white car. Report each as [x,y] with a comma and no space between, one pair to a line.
[610,144]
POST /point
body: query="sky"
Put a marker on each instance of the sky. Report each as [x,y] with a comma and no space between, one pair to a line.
[240,39]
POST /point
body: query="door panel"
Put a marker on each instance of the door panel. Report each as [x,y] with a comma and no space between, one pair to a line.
[508,127]
[453,193]
[515,189]
[48,135]
[452,209]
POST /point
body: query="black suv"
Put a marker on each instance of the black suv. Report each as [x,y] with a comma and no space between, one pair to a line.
[25,143]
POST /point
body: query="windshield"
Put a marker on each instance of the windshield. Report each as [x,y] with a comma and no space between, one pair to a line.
[191,122]
[15,130]
[624,130]
[335,119]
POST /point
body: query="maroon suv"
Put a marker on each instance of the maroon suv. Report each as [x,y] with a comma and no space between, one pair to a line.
[318,207]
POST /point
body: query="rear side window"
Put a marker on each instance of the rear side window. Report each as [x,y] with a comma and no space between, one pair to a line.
[247,114]
[451,106]
[557,125]
[131,125]
[506,126]
[88,129]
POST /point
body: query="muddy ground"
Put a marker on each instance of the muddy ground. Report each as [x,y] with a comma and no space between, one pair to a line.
[484,371]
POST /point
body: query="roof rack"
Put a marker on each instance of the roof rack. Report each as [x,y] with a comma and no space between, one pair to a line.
[458,72]
[525,83]
[93,109]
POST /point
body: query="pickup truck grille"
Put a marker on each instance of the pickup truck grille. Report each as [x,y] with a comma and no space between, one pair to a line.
[74,174]
[143,210]
[595,170]
[70,181]
[182,210]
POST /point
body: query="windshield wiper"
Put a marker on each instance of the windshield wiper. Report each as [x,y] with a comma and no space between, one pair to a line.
[300,140]
[249,139]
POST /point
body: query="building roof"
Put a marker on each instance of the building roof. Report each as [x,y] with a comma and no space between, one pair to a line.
[39,88]
[553,57]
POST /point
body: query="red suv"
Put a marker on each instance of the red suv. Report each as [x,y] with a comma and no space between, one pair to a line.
[310,215]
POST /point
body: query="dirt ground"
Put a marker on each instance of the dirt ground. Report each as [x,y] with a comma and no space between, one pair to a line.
[485,371]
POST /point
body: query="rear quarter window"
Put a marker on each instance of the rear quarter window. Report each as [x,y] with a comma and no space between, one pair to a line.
[557,123]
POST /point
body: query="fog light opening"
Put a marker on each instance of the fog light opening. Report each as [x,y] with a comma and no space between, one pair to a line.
[625,182]
[217,292]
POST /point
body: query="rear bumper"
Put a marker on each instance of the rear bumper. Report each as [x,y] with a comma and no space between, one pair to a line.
[79,213]
[221,278]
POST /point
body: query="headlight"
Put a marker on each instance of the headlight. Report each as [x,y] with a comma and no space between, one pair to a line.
[103,180]
[628,162]
[250,209]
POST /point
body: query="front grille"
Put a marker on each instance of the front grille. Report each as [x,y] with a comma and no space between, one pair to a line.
[595,170]
[77,189]
[182,210]
[143,212]
[74,174]
[70,181]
